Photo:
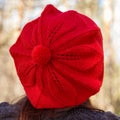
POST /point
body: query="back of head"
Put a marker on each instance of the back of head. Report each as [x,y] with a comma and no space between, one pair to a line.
[59,59]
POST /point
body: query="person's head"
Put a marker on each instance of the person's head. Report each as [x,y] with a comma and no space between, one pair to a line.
[59,59]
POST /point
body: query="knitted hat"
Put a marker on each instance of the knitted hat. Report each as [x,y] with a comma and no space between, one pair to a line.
[59,58]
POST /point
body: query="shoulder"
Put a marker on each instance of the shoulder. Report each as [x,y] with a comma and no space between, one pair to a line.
[88,114]
[8,111]
[112,116]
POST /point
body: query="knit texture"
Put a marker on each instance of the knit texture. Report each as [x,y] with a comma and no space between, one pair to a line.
[41,55]
[59,58]
[11,112]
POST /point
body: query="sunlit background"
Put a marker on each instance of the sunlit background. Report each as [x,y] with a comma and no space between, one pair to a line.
[14,14]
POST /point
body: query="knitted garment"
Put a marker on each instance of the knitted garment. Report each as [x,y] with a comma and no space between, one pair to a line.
[11,112]
[59,58]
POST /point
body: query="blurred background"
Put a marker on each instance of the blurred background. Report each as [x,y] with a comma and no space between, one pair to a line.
[14,14]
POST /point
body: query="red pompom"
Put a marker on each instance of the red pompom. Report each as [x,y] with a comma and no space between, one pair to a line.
[41,54]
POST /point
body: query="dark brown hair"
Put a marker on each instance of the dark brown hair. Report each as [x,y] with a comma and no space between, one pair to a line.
[28,112]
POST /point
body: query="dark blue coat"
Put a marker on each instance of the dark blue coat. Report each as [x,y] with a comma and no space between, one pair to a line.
[11,112]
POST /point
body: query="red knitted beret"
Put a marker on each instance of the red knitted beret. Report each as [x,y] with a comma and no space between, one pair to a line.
[59,58]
